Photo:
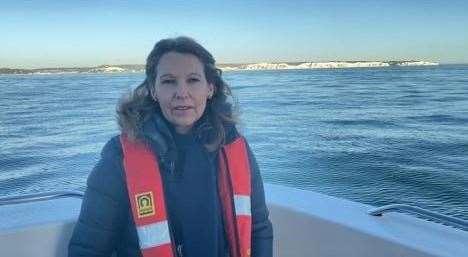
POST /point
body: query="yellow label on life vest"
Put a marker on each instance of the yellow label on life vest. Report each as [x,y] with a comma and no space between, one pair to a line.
[145,204]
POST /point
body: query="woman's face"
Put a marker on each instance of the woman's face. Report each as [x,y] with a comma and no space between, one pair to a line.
[181,89]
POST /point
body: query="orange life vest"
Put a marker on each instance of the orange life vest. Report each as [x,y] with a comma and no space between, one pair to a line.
[146,194]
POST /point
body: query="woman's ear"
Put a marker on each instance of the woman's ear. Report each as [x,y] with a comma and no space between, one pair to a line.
[211,90]
[152,92]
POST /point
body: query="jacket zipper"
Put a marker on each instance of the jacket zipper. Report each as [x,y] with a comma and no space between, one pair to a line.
[179,250]
[174,247]
[169,222]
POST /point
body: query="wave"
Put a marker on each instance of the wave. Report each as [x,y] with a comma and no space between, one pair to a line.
[439,118]
[363,122]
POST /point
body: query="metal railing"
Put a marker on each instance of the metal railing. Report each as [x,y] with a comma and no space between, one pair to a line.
[434,216]
[379,211]
[39,197]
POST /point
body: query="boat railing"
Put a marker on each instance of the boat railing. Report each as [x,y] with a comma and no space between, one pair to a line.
[39,197]
[433,216]
[379,211]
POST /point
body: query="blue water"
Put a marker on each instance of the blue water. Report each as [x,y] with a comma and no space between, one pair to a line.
[377,136]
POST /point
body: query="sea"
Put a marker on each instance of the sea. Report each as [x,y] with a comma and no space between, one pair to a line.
[372,135]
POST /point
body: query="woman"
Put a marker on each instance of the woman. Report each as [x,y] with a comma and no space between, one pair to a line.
[180,180]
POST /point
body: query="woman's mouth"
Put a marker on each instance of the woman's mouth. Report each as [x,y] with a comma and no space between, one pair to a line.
[182,108]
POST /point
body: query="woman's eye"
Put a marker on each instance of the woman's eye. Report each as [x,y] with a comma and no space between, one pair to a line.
[168,81]
[193,80]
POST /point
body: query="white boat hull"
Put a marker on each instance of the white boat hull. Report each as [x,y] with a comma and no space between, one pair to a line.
[305,224]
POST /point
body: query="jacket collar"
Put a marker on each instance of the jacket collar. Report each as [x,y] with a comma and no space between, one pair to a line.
[157,132]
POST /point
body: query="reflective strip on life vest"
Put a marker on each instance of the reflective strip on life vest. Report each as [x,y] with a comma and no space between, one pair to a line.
[153,235]
[242,205]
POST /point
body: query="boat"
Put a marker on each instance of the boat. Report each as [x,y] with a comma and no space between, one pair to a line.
[305,223]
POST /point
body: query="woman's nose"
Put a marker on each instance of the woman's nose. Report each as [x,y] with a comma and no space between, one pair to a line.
[182,90]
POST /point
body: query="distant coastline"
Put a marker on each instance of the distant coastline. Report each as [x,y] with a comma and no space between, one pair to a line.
[226,67]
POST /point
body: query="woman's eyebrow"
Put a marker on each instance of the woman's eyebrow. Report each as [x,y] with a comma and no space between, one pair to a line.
[195,73]
[168,75]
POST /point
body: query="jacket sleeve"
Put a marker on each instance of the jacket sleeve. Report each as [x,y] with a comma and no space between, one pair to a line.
[262,229]
[103,213]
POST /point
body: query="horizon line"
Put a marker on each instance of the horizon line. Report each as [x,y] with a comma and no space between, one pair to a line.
[234,63]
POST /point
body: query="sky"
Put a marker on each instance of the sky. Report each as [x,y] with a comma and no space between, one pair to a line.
[39,34]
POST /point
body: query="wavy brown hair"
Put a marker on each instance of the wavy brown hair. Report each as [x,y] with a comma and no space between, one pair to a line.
[135,108]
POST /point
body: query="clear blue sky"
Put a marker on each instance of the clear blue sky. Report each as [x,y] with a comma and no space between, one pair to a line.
[90,33]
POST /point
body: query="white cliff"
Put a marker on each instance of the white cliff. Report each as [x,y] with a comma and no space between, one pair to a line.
[107,69]
[323,65]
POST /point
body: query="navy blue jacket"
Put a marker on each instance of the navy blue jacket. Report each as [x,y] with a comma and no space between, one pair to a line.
[189,175]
